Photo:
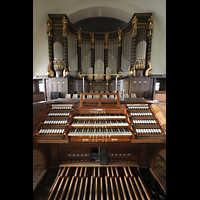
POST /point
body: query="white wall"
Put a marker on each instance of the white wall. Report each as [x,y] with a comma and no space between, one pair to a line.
[80,9]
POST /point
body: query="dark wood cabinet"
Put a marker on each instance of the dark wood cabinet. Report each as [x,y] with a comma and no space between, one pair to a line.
[39,89]
[141,86]
[57,85]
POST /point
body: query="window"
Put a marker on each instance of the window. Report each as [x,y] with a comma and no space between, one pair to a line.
[157,86]
[41,86]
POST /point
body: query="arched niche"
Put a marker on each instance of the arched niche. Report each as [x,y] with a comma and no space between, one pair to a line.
[155,152]
[58,50]
[39,160]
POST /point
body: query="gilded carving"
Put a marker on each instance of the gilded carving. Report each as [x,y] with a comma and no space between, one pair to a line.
[120,33]
[49,71]
[132,71]
[79,37]
[140,64]
[65,23]
[90,77]
[49,27]
[106,40]
[80,75]
[58,64]
[134,26]
[98,77]
[148,71]
[92,39]
[66,72]
[65,26]
[108,77]
[150,25]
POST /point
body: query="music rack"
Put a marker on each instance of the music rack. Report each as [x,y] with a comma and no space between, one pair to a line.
[99,100]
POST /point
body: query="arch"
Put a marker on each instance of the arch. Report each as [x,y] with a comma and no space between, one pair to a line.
[100,11]
[154,152]
[39,159]
[58,50]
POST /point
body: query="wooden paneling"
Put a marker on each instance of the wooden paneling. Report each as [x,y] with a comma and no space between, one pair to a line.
[57,85]
[142,86]
[101,86]
[160,96]
[76,86]
[38,96]
[144,154]
[121,84]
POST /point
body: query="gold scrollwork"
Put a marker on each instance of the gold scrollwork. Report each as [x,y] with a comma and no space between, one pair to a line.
[119,74]
[108,77]
[90,77]
[98,77]
[132,71]
[80,75]
[66,72]
[148,71]
[49,71]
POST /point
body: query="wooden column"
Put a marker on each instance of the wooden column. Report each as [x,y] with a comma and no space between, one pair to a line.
[133,45]
[92,51]
[149,40]
[65,45]
[50,69]
[120,33]
[119,58]
[106,51]
[105,59]
[149,37]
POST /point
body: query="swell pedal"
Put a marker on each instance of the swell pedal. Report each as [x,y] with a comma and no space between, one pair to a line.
[103,156]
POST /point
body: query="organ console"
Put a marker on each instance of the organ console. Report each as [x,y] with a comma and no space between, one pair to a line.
[102,148]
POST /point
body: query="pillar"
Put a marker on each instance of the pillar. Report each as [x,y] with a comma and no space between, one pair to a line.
[149,40]
[83,84]
[65,45]
[120,33]
[92,51]
[106,51]
[116,84]
[133,45]
[50,69]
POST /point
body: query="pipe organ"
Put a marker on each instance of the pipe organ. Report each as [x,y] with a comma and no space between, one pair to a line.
[126,58]
[100,58]
[96,147]
[101,148]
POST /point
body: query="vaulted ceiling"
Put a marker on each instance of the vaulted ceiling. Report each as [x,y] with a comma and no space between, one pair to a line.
[80,9]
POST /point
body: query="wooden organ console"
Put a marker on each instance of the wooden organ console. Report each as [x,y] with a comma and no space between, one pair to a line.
[103,149]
